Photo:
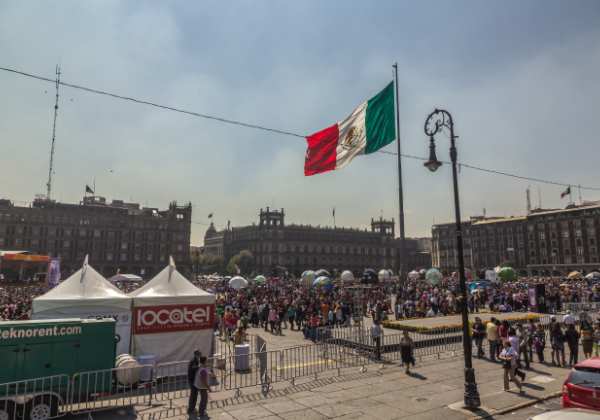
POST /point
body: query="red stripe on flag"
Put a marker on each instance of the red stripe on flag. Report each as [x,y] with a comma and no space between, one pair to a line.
[321,151]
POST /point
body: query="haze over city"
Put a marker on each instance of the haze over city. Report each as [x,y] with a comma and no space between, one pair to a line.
[528,108]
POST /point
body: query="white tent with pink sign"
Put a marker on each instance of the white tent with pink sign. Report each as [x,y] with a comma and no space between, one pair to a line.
[87,294]
[171,318]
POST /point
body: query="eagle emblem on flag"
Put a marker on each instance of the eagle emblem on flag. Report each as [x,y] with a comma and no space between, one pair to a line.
[352,138]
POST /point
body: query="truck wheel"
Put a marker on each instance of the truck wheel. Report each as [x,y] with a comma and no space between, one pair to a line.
[7,410]
[42,407]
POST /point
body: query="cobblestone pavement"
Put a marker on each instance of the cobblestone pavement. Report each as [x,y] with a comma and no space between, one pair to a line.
[433,391]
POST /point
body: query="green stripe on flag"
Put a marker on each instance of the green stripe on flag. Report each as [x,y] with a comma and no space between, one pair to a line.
[379,121]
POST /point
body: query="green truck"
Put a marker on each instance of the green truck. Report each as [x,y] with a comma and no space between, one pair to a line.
[40,361]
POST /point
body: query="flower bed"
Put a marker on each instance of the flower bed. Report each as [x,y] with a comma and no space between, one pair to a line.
[456,326]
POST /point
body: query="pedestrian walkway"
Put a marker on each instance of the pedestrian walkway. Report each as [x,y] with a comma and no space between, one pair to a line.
[433,391]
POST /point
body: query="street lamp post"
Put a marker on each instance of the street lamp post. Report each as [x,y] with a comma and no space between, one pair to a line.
[436,122]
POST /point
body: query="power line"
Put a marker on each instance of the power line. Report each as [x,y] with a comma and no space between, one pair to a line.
[275,130]
[144,102]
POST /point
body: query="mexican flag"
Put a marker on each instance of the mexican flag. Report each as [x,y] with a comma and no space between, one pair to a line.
[367,129]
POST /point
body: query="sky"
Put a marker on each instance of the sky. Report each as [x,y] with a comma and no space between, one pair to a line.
[521,79]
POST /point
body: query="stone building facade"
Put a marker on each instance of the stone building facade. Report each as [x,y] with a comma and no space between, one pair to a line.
[543,242]
[116,236]
[301,247]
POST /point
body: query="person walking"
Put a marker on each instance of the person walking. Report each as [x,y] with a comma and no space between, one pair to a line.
[557,341]
[492,337]
[514,342]
[508,356]
[539,342]
[587,337]
[572,339]
[376,333]
[479,333]
[201,382]
[407,347]
[523,335]
[193,367]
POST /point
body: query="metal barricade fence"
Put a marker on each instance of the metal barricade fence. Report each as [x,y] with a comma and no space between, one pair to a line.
[111,388]
[170,381]
[34,398]
[577,307]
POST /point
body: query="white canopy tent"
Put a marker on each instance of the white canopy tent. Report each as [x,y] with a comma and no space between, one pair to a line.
[86,294]
[172,317]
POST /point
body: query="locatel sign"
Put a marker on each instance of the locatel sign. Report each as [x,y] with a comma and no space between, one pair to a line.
[169,318]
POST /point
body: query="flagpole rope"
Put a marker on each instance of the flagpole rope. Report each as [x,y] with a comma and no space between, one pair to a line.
[273,130]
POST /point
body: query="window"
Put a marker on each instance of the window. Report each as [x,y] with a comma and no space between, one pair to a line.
[123,256]
[109,256]
[124,245]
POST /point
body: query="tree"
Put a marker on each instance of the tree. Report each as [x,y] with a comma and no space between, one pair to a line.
[207,264]
[243,262]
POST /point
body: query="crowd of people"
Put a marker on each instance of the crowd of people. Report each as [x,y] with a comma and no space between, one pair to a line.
[298,304]
[515,346]
[418,298]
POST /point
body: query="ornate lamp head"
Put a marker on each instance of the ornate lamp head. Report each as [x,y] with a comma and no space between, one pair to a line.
[433,163]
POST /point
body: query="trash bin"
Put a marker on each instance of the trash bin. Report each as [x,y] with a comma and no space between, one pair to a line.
[242,357]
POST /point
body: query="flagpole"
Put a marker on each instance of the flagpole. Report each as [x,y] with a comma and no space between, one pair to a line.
[400,191]
[570,196]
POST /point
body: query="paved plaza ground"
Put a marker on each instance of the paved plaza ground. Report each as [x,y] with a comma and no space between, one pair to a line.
[433,391]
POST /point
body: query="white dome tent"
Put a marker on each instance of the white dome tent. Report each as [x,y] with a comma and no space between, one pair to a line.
[238,283]
[172,317]
[347,277]
[86,294]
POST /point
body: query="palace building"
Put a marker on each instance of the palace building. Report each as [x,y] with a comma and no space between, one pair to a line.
[544,242]
[116,236]
[295,248]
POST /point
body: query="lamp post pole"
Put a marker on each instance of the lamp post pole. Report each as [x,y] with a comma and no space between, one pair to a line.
[435,123]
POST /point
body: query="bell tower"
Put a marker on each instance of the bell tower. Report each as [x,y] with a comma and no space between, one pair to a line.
[383,226]
[272,218]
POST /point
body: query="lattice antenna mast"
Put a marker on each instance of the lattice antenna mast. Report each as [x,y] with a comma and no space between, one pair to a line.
[51,166]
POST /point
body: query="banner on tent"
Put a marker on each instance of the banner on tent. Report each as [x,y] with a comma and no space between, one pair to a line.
[169,318]
[53,277]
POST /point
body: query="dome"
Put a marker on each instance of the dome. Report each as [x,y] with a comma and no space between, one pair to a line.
[211,231]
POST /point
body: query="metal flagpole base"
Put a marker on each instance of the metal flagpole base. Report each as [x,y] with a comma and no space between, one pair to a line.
[471,394]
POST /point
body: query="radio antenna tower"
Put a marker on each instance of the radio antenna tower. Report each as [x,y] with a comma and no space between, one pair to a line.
[51,168]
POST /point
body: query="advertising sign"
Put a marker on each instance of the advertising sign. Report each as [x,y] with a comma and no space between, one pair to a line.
[170,318]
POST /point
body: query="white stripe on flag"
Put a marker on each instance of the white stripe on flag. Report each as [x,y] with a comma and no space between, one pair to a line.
[352,139]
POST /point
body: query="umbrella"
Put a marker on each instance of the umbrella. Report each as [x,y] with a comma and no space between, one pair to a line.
[321,281]
[594,275]
[260,279]
[574,275]
[238,283]
[413,275]
[384,275]
[369,276]
[433,276]
[347,276]
[322,272]
[507,274]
